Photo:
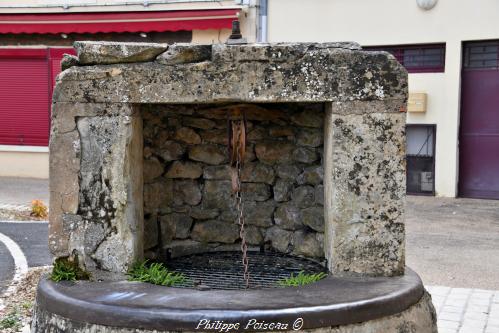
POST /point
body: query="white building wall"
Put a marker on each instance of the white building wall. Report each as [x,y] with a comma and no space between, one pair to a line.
[398,22]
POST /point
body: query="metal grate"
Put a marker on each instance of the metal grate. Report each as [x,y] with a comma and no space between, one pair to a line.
[417,58]
[224,270]
[481,55]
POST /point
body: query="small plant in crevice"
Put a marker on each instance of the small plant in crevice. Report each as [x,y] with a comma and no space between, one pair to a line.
[155,273]
[66,270]
[39,209]
[12,320]
[301,279]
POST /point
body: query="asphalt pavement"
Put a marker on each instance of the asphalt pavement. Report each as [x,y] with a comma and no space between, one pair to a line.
[32,238]
[6,268]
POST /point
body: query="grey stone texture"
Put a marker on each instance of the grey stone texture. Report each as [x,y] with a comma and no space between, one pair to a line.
[202,181]
[97,157]
[419,318]
[250,73]
[90,53]
[364,191]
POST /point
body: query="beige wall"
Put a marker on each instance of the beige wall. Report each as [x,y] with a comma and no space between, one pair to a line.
[392,22]
[24,164]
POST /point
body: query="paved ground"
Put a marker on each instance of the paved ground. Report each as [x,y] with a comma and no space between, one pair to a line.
[21,191]
[6,268]
[32,239]
[454,242]
[466,310]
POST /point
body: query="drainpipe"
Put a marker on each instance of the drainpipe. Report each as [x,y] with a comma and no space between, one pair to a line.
[262,21]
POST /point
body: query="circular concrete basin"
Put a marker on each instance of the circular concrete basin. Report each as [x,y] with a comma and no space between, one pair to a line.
[330,302]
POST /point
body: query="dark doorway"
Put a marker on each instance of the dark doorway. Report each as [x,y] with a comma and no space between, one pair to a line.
[479,128]
[421,159]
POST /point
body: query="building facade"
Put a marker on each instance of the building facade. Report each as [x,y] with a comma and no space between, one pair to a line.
[451,50]
[34,35]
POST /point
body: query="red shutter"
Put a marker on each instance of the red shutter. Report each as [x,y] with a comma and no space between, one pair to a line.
[24,97]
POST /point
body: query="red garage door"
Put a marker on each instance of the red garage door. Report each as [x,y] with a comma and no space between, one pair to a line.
[24,97]
[479,132]
[26,79]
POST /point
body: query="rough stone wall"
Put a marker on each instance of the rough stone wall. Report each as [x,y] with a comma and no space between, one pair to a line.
[187,180]
[364,177]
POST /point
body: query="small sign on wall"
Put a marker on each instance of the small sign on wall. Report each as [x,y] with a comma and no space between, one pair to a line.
[417,102]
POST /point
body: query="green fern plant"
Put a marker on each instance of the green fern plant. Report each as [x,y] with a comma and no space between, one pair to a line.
[301,279]
[65,270]
[155,273]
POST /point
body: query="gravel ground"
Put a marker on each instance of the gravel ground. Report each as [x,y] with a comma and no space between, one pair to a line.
[16,315]
[18,215]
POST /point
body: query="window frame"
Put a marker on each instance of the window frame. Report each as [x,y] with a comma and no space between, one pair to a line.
[398,52]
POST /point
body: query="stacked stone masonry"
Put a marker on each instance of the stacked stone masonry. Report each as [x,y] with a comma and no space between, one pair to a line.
[101,119]
[188,186]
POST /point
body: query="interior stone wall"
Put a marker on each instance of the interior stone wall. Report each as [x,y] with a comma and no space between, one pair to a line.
[187,190]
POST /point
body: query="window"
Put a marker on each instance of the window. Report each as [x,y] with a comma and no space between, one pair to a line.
[481,55]
[417,58]
[420,159]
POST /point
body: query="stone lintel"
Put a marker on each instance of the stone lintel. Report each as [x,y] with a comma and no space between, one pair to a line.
[364,190]
[245,73]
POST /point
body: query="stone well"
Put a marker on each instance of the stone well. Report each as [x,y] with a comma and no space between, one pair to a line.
[139,169]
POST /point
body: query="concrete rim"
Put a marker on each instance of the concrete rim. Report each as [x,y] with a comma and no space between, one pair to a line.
[333,301]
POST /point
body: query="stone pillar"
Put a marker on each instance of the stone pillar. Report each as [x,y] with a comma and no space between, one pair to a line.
[364,161]
[96,173]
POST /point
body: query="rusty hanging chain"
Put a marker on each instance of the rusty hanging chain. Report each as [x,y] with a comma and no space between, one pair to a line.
[237,148]
[240,220]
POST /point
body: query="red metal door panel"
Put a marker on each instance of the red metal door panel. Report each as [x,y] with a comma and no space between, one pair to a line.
[24,98]
[479,134]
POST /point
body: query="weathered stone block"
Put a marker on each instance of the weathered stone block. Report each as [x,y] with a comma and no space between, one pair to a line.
[365,191]
[288,171]
[201,123]
[303,196]
[310,138]
[90,53]
[255,191]
[313,217]
[257,173]
[152,169]
[187,191]
[288,217]
[312,176]
[187,135]
[171,151]
[306,244]
[184,170]
[253,235]
[279,239]
[217,194]
[305,155]
[217,172]
[259,213]
[282,190]
[215,231]
[184,53]
[274,152]
[209,154]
